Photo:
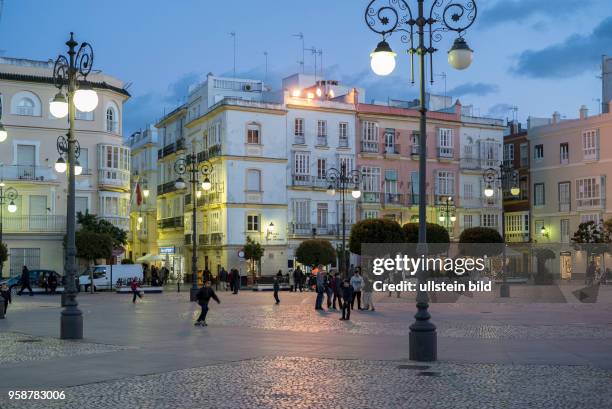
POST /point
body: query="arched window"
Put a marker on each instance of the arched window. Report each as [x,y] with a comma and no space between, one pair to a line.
[111,120]
[254,134]
[26,103]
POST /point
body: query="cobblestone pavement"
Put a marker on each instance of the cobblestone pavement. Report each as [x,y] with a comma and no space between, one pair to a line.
[296,383]
[21,348]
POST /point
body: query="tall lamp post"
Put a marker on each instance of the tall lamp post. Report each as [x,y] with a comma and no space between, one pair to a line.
[8,195]
[341,180]
[386,17]
[508,177]
[70,77]
[447,212]
[189,165]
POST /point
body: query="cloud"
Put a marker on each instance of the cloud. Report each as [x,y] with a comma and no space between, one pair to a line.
[479,89]
[499,111]
[521,10]
[572,57]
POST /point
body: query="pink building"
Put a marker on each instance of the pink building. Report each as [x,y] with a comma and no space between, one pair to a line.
[387,155]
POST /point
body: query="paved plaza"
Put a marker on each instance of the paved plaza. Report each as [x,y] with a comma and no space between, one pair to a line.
[492,354]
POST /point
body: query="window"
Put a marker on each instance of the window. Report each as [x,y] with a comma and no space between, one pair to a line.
[321,169]
[414,185]
[25,106]
[84,160]
[26,103]
[322,215]
[370,214]
[445,183]
[565,230]
[517,223]
[592,217]
[301,163]
[370,179]
[414,142]
[301,212]
[391,189]
[538,193]
[390,140]
[369,138]
[26,162]
[488,220]
[509,154]
[111,120]
[589,192]
[590,144]
[538,152]
[539,226]
[253,134]
[564,153]
[298,127]
[564,197]
[343,134]
[524,154]
[84,116]
[445,142]
[24,257]
[467,221]
[253,180]
[468,191]
[252,222]
[215,222]
[322,129]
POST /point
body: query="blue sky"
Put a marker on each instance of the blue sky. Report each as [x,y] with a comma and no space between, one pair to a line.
[538,55]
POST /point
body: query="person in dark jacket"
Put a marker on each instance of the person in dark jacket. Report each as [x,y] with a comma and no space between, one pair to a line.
[337,288]
[347,297]
[25,281]
[276,288]
[223,279]
[52,283]
[297,279]
[203,296]
[5,294]
[236,279]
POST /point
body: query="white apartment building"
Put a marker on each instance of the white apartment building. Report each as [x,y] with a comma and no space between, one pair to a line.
[481,141]
[34,233]
[320,129]
[144,146]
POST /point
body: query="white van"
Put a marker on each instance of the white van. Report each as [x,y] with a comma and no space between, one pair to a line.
[102,276]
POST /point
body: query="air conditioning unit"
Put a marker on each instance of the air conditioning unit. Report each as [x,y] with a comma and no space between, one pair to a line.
[246,87]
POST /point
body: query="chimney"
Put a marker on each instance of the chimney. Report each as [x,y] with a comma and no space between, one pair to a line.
[556,117]
[584,112]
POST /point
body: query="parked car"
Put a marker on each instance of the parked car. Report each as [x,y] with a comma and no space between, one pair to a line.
[14,283]
[102,276]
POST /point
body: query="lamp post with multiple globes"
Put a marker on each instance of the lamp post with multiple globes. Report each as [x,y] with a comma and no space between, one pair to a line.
[421,32]
[74,92]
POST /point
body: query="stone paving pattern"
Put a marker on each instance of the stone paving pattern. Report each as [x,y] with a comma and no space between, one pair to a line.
[296,383]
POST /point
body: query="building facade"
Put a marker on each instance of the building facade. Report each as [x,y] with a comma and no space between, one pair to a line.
[35,232]
[516,208]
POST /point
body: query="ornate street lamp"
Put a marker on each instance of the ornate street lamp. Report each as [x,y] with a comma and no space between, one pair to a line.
[447,212]
[342,180]
[70,77]
[8,195]
[421,32]
[190,166]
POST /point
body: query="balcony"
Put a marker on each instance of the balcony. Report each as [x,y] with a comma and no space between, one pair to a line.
[171,148]
[188,239]
[490,202]
[299,140]
[301,180]
[393,199]
[371,197]
[470,163]
[204,239]
[322,140]
[300,229]
[121,222]
[34,224]
[591,154]
[445,153]
[414,150]
[590,203]
[216,239]
[166,188]
[392,150]
[27,173]
[114,178]
[343,143]
[517,237]
[310,229]
[171,223]
[369,147]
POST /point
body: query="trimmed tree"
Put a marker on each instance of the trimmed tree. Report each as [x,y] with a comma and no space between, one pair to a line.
[253,252]
[592,238]
[436,235]
[375,231]
[481,241]
[314,252]
[91,246]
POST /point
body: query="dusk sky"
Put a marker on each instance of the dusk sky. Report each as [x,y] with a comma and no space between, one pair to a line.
[538,55]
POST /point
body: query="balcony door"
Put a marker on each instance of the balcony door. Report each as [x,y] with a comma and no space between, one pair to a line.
[37,212]
[26,161]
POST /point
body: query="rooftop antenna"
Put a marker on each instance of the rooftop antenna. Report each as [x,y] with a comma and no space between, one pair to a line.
[233,34]
[320,53]
[598,105]
[300,35]
[266,75]
[514,110]
[314,51]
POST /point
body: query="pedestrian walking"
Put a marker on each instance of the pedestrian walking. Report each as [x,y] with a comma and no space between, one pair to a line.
[347,297]
[236,279]
[319,286]
[368,294]
[297,279]
[357,284]
[223,279]
[5,294]
[329,292]
[25,281]
[276,288]
[52,283]
[134,286]
[203,296]
[337,287]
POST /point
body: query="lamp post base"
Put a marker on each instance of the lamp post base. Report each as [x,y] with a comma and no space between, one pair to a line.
[423,337]
[71,326]
[193,292]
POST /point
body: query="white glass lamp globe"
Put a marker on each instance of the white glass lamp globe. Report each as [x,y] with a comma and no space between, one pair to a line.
[271,227]
[139,219]
[59,106]
[3,133]
[78,169]
[453,219]
[12,207]
[199,194]
[460,55]
[60,165]
[382,60]
[206,185]
[441,218]
[86,99]
[146,193]
[356,194]
[515,191]
[180,184]
[489,192]
[331,191]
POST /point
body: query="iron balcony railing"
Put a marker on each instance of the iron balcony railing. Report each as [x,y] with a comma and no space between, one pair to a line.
[34,224]
[170,222]
[370,147]
[27,172]
[171,148]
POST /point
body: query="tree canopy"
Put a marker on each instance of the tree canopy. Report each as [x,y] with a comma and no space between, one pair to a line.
[252,250]
[375,231]
[314,252]
[3,254]
[93,223]
[91,245]
[480,241]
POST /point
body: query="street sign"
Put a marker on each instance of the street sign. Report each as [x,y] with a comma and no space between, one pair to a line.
[166,250]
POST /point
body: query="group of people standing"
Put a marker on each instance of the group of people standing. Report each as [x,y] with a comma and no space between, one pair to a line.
[154,276]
